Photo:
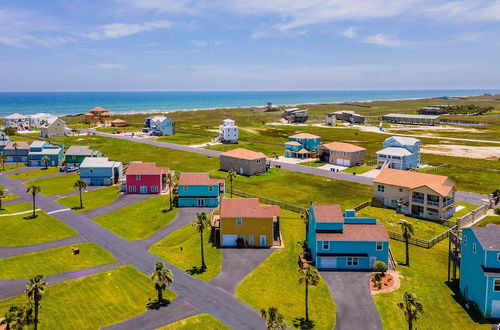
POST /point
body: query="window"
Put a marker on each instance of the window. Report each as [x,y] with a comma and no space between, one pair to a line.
[258,161]
[239,221]
[465,240]
[400,189]
[496,284]
[185,188]
[474,247]
[326,245]
[154,188]
[210,188]
[380,246]
[380,188]
[498,256]
[352,261]
[138,177]
[131,188]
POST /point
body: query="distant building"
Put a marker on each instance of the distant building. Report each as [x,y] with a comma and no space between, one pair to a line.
[344,154]
[243,161]
[75,155]
[100,171]
[302,145]
[199,190]
[345,116]
[40,119]
[296,115]
[228,132]
[97,114]
[433,110]
[53,127]
[160,125]
[403,118]
[40,149]
[270,107]
[118,123]
[16,151]
[17,121]
[400,153]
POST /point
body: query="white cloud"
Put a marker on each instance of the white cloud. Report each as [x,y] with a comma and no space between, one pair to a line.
[118,30]
[206,43]
[350,33]
[109,66]
[384,40]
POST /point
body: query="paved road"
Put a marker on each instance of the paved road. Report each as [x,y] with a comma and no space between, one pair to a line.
[355,306]
[237,264]
[121,202]
[201,295]
[10,251]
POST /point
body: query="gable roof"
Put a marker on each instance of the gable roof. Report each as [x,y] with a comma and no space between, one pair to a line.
[327,213]
[98,109]
[159,118]
[197,179]
[293,143]
[244,154]
[410,179]
[20,145]
[361,232]
[304,136]
[341,146]
[16,116]
[488,236]
[247,208]
[97,162]
[406,141]
[394,151]
[118,121]
[146,169]
[80,151]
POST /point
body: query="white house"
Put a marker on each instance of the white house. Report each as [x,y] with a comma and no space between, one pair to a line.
[161,125]
[39,119]
[228,132]
[53,127]
[17,121]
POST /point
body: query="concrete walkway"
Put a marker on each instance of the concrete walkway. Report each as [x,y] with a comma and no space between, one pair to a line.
[121,202]
[10,251]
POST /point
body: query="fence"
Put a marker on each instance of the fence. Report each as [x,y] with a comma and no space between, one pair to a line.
[265,200]
[362,206]
[471,217]
[421,242]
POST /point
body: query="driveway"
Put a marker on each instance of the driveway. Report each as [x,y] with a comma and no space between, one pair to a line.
[355,306]
[121,202]
[237,264]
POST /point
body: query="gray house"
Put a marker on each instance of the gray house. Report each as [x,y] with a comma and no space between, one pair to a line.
[100,171]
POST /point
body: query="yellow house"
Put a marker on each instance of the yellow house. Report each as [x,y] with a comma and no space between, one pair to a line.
[257,225]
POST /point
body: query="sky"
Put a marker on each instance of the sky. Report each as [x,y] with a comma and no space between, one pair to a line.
[214,45]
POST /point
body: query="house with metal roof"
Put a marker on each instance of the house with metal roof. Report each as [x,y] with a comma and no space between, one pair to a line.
[75,155]
[405,118]
[198,189]
[302,145]
[100,171]
[400,153]
[243,161]
[40,149]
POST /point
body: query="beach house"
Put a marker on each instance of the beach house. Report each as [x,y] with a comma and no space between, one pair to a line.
[243,161]
[344,116]
[244,218]
[97,114]
[53,127]
[228,132]
[40,119]
[344,241]
[160,125]
[480,268]
[302,145]
[417,194]
[400,153]
[198,189]
[146,178]
[340,153]
[295,115]
[100,171]
[16,151]
[41,149]
[17,121]
[76,154]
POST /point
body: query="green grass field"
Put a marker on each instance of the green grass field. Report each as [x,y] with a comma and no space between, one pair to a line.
[16,208]
[359,169]
[53,261]
[8,168]
[140,220]
[182,249]
[95,301]
[34,174]
[494,219]
[56,185]
[91,199]
[275,281]
[185,139]
[197,322]
[468,179]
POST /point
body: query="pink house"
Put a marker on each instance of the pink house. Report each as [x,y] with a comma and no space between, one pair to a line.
[146,178]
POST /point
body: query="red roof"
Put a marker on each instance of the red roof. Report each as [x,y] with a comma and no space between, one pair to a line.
[247,208]
[361,232]
[197,179]
[341,146]
[328,213]
[146,169]
[98,109]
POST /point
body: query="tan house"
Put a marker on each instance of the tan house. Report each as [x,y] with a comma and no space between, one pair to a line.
[417,194]
[243,161]
[53,128]
[340,153]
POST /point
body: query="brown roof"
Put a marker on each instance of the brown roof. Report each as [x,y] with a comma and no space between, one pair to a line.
[88,114]
[293,143]
[118,121]
[341,146]
[98,109]
[409,179]
[304,136]
[197,179]
[247,208]
[243,153]
[303,151]
[375,232]
[146,169]
[20,145]
[328,213]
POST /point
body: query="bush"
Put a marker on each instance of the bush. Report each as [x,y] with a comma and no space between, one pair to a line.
[10,131]
[380,267]
[497,211]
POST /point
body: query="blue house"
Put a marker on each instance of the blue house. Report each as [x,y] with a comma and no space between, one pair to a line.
[344,241]
[16,151]
[99,171]
[160,125]
[197,189]
[40,149]
[400,153]
[302,145]
[4,140]
[480,268]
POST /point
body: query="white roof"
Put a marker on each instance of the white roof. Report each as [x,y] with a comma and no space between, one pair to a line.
[46,151]
[37,144]
[394,151]
[43,115]
[16,116]
[159,118]
[97,162]
[406,141]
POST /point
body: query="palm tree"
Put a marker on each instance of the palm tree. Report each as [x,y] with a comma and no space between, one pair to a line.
[45,160]
[407,230]
[274,320]
[2,196]
[13,318]
[3,159]
[412,307]
[15,152]
[201,223]
[163,278]
[34,290]
[80,185]
[308,276]
[171,182]
[231,174]
[33,190]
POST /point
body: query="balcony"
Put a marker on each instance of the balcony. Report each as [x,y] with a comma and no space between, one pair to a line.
[432,203]
[448,202]
[432,214]
[417,200]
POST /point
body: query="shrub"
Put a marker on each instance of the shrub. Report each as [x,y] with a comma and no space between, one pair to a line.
[380,267]
[497,211]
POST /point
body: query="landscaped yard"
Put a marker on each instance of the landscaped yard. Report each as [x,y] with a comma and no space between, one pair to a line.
[34,173]
[92,199]
[275,281]
[140,220]
[53,261]
[494,219]
[182,249]
[11,167]
[359,169]
[56,185]
[94,301]
[197,322]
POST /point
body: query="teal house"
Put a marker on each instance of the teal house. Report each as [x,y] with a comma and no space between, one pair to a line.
[480,268]
[302,145]
[198,190]
[40,149]
[339,241]
[76,154]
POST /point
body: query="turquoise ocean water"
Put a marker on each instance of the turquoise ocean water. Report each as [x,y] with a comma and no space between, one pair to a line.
[66,103]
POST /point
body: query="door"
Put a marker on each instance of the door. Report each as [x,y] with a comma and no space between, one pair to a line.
[263,240]
[144,189]
[347,162]
[200,202]
[495,309]
[241,170]
[250,239]
[229,240]
[372,260]
[328,263]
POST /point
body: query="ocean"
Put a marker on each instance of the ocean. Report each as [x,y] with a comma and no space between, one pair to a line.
[68,103]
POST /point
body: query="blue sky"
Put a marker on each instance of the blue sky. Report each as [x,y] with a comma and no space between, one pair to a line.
[83,45]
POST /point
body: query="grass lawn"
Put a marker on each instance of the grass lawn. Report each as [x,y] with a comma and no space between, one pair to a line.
[139,220]
[34,174]
[443,308]
[95,301]
[185,138]
[53,261]
[15,208]
[314,163]
[467,179]
[91,199]
[12,167]
[56,185]
[201,321]
[359,169]
[494,219]
[275,281]
[189,257]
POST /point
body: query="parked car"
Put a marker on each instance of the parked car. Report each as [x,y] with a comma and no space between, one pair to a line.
[72,169]
[62,169]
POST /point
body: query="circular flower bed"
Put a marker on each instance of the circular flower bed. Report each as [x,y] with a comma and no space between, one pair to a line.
[385,282]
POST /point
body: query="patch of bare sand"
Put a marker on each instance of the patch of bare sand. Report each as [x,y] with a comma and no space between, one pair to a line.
[491,153]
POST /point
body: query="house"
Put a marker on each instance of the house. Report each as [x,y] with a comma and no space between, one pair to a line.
[345,116]
[417,194]
[16,151]
[404,118]
[54,127]
[76,154]
[97,114]
[243,161]
[228,132]
[160,125]
[17,121]
[40,119]
[257,225]
[340,153]
[344,241]
[399,152]
[296,115]
[198,189]
[480,268]
[100,171]
[118,123]
[302,145]
[4,141]
[40,149]
[146,178]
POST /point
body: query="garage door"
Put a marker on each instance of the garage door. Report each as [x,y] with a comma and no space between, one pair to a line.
[347,162]
[229,240]
[495,309]
[328,263]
